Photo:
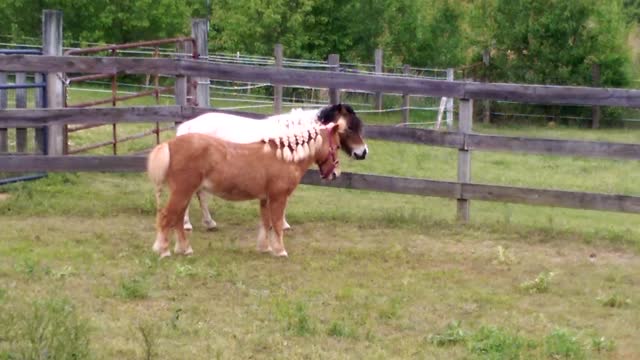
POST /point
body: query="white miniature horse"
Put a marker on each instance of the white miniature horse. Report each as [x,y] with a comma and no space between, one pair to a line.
[244,130]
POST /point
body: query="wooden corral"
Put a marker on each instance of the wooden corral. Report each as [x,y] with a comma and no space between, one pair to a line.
[463,190]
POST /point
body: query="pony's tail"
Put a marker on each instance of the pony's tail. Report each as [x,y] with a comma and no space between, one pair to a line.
[157,166]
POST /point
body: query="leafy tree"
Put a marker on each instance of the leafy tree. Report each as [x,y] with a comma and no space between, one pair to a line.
[557,41]
[101,20]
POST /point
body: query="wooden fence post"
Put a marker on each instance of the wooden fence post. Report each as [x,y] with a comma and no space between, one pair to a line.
[406,102]
[464,157]
[277,89]
[450,102]
[40,133]
[52,45]
[4,139]
[486,104]
[180,93]
[596,111]
[21,103]
[334,94]
[199,31]
[378,70]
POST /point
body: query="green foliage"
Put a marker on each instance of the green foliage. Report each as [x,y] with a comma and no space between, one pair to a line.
[562,344]
[295,316]
[556,42]
[102,21]
[601,344]
[341,329]
[134,288]
[615,300]
[48,329]
[538,285]
[495,343]
[453,334]
[532,41]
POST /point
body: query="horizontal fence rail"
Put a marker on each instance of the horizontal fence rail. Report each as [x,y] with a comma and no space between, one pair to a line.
[96,116]
[455,140]
[537,94]
[356,181]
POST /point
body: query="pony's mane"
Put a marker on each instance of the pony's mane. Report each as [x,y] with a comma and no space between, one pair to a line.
[298,141]
[295,117]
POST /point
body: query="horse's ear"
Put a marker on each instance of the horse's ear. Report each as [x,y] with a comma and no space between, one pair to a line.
[341,124]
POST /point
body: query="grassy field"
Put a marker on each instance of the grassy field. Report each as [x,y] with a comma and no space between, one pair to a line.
[370,276]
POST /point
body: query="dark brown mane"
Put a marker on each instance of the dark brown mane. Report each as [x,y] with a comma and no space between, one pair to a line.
[332,113]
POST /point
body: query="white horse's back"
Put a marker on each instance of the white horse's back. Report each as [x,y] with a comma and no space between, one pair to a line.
[244,130]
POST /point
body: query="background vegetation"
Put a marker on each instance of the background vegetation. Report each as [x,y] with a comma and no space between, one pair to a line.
[542,41]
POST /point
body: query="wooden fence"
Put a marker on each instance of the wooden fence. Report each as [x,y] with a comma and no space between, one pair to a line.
[463,190]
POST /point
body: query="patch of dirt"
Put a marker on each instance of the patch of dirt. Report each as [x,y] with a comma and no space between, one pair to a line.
[4,196]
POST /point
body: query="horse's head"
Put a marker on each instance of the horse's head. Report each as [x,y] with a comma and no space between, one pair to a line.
[350,129]
[326,155]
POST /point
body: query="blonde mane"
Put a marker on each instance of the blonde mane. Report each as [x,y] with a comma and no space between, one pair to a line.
[298,139]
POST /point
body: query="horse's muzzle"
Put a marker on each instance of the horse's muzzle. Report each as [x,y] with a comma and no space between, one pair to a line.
[360,154]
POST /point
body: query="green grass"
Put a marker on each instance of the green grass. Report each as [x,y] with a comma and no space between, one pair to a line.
[370,275]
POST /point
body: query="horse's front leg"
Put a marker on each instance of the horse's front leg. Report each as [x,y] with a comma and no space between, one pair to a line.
[265,227]
[277,205]
[207,221]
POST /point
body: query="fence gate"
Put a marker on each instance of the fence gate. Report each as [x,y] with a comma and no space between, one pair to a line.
[111,95]
[21,91]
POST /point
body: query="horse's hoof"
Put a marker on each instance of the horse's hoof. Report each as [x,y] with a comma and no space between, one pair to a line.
[188,226]
[157,248]
[179,251]
[264,250]
[210,226]
[165,254]
[286,226]
[281,253]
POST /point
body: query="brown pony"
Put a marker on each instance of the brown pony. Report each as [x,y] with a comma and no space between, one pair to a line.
[245,130]
[268,170]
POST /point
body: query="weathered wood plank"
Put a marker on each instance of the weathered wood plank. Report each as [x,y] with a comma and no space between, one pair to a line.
[537,94]
[554,146]
[4,133]
[398,185]
[557,198]
[134,114]
[415,136]
[38,117]
[21,103]
[334,92]
[464,158]
[484,192]
[24,163]
[278,54]
[393,184]
[52,36]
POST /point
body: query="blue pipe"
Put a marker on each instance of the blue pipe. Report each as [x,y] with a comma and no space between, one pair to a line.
[22,86]
[20,52]
[22,178]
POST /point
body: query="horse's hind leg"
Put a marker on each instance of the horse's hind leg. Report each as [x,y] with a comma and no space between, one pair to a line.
[276,212]
[265,226]
[171,217]
[207,221]
[285,224]
[186,223]
[161,245]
